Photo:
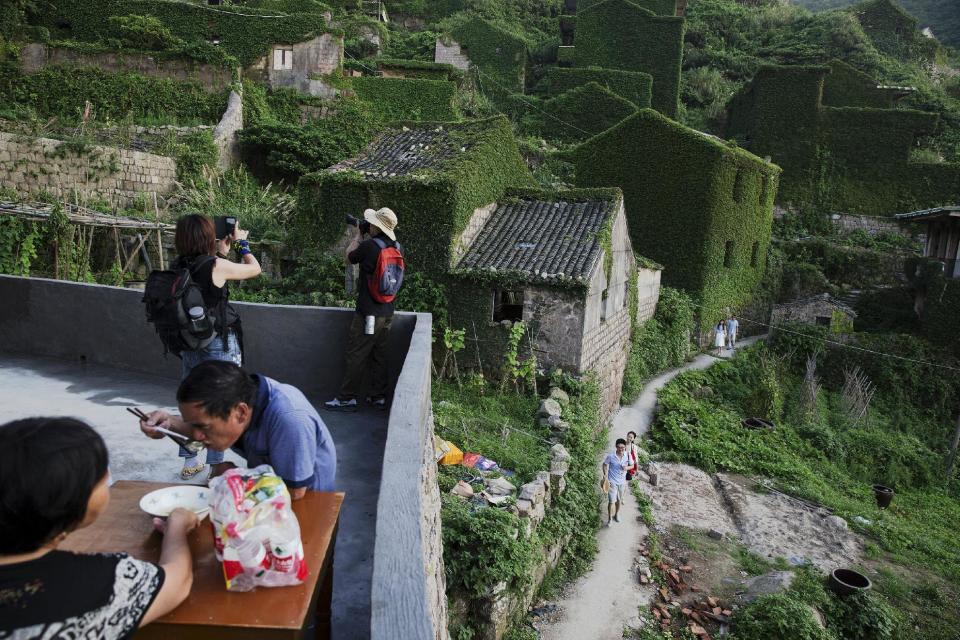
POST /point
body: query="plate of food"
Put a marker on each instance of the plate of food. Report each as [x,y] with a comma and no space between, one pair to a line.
[162,501]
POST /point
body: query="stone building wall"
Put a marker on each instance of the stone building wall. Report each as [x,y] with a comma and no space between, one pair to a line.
[30,165]
[451,54]
[35,56]
[317,57]
[225,134]
[809,309]
[847,222]
[648,293]
[556,317]
[606,350]
[473,229]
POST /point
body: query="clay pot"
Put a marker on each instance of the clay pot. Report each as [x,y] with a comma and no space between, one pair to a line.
[883,495]
[845,582]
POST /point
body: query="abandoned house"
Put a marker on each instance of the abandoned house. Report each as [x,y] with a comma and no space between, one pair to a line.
[707,224]
[301,65]
[943,236]
[561,263]
[820,310]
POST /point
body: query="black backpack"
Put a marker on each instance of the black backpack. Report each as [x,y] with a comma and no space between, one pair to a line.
[174,305]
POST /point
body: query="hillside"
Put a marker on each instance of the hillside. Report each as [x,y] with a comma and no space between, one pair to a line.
[942,16]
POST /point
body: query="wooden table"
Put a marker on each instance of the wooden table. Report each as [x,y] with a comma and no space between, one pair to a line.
[210,611]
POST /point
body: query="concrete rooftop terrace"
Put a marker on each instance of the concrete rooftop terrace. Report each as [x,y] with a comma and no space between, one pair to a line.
[86,351]
[32,386]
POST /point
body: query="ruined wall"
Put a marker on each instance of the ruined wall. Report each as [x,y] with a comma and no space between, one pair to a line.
[35,56]
[873,225]
[451,54]
[30,165]
[556,317]
[317,57]
[225,135]
[648,293]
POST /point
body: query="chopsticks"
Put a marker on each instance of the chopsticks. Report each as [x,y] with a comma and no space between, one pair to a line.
[173,434]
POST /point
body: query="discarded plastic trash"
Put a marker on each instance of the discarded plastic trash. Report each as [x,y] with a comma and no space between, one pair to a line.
[453,456]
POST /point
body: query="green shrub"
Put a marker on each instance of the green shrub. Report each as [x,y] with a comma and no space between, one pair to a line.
[864,616]
[407,98]
[143,32]
[62,92]
[777,616]
[280,151]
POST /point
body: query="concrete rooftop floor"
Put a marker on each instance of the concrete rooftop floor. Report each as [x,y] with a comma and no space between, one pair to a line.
[33,386]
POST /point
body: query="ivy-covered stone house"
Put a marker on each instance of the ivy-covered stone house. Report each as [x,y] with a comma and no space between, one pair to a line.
[643,36]
[821,310]
[849,156]
[434,175]
[561,263]
[699,206]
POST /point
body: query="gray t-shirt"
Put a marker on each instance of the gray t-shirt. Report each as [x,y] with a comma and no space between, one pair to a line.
[617,467]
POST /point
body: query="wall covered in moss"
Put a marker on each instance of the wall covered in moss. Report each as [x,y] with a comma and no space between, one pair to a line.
[697,206]
[854,159]
[500,55]
[245,38]
[582,112]
[617,34]
[634,86]
[407,98]
[433,205]
[846,86]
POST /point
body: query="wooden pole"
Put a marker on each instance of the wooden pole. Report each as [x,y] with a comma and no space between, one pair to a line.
[156,213]
[133,254]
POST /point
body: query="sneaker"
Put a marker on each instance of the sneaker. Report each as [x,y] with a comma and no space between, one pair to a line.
[378,402]
[616,518]
[607,525]
[341,405]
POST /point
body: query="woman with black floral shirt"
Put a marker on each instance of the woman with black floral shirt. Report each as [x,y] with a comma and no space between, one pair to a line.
[53,480]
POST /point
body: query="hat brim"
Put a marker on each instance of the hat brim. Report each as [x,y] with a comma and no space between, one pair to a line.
[372,219]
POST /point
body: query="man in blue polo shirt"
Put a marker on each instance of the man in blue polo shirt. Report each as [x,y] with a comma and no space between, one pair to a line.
[265,421]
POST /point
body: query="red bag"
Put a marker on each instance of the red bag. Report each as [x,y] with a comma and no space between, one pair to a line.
[387,278]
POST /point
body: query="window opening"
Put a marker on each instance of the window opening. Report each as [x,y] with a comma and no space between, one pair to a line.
[824,321]
[754,253]
[728,254]
[282,59]
[508,305]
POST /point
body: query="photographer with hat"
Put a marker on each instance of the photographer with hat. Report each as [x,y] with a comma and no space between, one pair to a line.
[377,252]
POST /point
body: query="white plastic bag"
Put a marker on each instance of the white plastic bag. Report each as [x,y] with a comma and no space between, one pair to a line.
[256,534]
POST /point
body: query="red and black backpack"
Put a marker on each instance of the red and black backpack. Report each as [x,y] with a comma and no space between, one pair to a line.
[387,278]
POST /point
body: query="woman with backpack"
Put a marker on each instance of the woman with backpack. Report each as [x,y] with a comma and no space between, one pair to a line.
[204,255]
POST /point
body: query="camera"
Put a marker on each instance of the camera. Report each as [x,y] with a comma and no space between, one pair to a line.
[363,225]
[224,226]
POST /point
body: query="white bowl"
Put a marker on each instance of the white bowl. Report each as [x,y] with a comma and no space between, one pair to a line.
[162,501]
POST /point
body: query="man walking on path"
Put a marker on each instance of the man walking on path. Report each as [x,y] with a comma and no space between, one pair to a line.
[732,326]
[615,467]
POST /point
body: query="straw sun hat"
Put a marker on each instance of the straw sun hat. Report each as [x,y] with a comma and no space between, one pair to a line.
[384,219]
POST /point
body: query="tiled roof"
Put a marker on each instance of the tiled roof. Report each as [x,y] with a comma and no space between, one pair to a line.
[929,214]
[541,240]
[404,151]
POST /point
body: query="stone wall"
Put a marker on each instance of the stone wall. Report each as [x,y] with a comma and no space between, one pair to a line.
[648,293]
[847,222]
[556,318]
[320,56]
[30,165]
[605,351]
[810,309]
[35,56]
[225,135]
[451,54]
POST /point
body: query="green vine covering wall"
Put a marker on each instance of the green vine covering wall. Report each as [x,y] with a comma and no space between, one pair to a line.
[590,108]
[617,34]
[500,55]
[631,85]
[659,7]
[854,159]
[433,205]
[846,86]
[246,39]
[688,197]
[61,92]
[407,98]
[941,299]
[420,69]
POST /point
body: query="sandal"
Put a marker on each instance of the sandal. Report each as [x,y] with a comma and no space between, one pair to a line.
[188,472]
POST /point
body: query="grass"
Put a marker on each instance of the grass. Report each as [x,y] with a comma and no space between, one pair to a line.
[826,460]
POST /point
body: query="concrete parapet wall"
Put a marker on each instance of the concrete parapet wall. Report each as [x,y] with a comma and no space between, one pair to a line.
[29,165]
[648,293]
[35,56]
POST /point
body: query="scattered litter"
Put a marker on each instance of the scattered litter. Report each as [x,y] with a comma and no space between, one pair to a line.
[462,489]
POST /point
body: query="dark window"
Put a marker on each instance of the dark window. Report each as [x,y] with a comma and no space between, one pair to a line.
[754,253]
[763,190]
[740,186]
[508,305]
[728,254]
[823,321]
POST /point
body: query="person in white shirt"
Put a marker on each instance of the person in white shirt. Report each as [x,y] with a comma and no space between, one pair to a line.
[733,325]
[615,467]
